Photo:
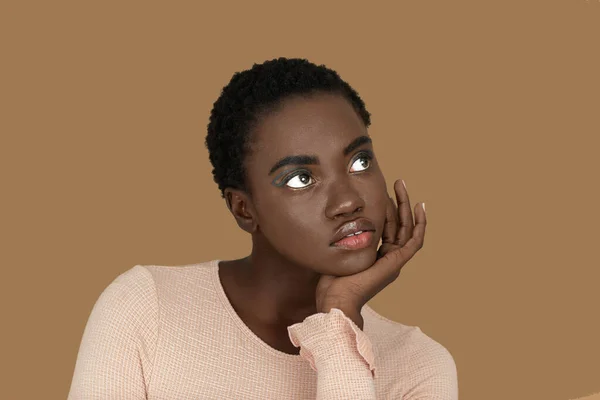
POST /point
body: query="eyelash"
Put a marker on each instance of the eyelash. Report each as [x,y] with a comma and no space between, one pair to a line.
[360,155]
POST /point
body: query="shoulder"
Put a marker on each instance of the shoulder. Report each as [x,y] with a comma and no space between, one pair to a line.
[131,293]
[129,286]
[432,371]
[428,355]
[180,279]
[426,366]
[143,287]
[411,339]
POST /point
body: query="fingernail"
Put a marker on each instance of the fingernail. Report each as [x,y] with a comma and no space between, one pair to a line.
[404,183]
[423,204]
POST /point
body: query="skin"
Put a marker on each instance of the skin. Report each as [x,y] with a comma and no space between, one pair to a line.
[292,271]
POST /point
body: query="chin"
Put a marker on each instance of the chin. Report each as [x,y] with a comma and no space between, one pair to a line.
[350,262]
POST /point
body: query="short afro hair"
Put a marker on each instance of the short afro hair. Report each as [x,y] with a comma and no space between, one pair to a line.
[252,94]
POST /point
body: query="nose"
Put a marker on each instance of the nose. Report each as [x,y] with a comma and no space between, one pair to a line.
[344,200]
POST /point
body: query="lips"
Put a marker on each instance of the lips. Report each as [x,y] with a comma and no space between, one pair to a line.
[357,225]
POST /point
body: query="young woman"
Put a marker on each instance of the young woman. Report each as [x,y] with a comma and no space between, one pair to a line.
[296,167]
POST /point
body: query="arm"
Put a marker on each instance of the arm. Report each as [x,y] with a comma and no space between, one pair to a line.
[340,352]
[117,348]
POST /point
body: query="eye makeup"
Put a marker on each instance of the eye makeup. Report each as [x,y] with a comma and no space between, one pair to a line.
[290,177]
[313,159]
[368,154]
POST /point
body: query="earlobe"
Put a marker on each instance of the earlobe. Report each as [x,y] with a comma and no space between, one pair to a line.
[240,209]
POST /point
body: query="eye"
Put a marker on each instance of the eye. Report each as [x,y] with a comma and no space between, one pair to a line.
[303,178]
[366,161]
[300,178]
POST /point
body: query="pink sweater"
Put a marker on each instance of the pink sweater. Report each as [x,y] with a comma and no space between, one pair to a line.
[170,332]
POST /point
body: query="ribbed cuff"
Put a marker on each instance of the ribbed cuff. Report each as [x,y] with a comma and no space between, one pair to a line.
[322,336]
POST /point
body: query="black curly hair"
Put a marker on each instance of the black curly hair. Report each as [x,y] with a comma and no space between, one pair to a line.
[252,94]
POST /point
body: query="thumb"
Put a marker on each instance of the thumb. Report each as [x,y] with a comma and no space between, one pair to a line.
[384,249]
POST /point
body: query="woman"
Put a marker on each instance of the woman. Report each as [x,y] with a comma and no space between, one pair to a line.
[294,162]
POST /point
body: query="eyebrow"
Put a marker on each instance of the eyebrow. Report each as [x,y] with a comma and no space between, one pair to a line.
[314,160]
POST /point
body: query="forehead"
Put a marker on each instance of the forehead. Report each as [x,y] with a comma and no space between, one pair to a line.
[307,125]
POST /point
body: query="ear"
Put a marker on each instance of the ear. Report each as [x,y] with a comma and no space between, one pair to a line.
[241,207]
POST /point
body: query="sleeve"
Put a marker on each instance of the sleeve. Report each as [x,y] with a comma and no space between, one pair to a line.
[119,340]
[434,374]
[340,352]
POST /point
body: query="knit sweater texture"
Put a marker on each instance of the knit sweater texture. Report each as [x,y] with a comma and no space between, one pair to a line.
[170,332]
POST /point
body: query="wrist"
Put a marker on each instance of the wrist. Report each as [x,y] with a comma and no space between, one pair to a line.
[351,312]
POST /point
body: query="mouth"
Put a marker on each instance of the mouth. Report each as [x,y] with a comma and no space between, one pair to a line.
[359,240]
[355,234]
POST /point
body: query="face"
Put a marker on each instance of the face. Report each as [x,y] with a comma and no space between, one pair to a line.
[298,207]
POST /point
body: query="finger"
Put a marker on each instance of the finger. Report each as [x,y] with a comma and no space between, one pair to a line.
[396,217]
[390,225]
[385,270]
[417,240]
[388,266]
[405,229]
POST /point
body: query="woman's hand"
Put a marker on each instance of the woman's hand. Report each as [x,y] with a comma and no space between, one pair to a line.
[401,239]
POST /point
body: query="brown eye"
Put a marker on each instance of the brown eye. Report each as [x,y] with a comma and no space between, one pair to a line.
[301,178]
[363,161]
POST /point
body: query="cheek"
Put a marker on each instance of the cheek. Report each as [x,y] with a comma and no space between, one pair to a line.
[290,230]
[378,202]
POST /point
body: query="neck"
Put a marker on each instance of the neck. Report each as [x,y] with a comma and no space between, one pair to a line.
[277,290]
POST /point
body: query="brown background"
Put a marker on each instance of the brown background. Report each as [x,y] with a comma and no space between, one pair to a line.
[488,110]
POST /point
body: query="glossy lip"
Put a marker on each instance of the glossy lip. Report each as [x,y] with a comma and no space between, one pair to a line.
[359,224]
[359,242]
